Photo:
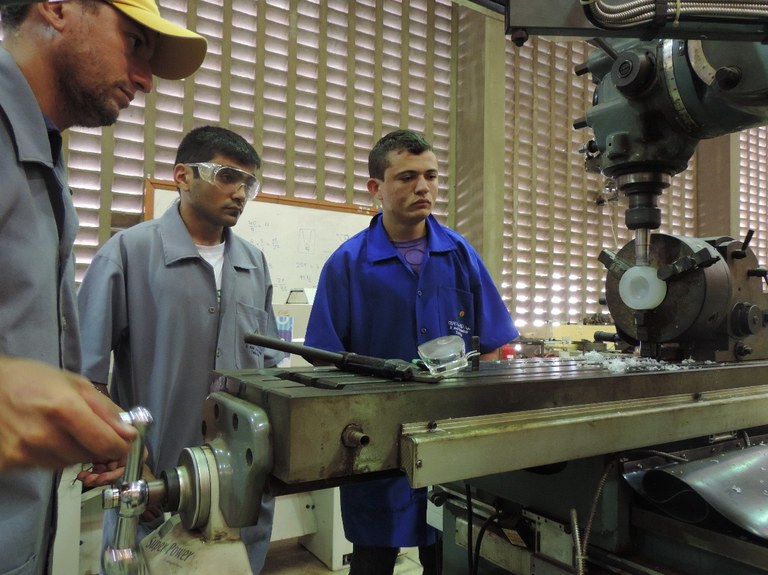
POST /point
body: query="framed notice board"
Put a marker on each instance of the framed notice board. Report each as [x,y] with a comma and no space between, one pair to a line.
[296,235]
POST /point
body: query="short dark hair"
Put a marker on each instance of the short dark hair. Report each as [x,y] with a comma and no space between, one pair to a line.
[397,141]
[203,143]
[11,16]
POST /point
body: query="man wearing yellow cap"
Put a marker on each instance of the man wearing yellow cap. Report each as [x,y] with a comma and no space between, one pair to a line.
[62,64]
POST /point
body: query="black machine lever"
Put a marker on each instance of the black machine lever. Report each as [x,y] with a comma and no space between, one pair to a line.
[396,369]
[758,273]
[607,337]
[740,254]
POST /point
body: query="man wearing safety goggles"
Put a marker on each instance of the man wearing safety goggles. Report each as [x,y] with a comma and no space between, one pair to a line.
[223,176]
[174,298]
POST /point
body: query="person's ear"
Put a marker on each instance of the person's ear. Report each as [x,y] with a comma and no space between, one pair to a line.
[53,13]
[374,188]
[182,175]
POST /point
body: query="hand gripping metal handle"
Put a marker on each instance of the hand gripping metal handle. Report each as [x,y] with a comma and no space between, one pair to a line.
[130,496]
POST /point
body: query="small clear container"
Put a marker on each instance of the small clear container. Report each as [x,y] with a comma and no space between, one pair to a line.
[445,355]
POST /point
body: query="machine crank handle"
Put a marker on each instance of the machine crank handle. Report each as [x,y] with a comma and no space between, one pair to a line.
[130,496]
[740,254]
[606,337]
[621,341]
[758,273]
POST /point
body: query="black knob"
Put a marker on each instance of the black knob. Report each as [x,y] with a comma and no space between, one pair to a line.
[742,350]
[632,73]
[519,37]
[746,319]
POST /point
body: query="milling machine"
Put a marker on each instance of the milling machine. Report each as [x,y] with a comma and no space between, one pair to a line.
[652,463]
[678,297]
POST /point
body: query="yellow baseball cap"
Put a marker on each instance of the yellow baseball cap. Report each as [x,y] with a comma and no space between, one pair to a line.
[179,52]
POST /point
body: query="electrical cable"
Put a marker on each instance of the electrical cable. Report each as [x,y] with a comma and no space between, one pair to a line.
[480,535]
[595,502]
[646,12]
[577,542]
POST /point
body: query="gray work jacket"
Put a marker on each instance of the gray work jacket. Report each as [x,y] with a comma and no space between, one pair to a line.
[151,298]
[37,311]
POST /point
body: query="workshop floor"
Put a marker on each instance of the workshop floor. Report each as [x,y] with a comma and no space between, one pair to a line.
[288,557]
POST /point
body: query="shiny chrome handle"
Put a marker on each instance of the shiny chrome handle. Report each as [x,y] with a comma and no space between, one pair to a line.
[130,495]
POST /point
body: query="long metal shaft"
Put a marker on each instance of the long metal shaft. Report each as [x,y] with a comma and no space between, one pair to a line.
[396,369]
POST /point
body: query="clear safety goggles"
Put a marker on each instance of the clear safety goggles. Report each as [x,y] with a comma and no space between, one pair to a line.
[226,176]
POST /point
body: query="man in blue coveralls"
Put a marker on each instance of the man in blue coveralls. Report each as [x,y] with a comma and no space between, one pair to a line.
[403,281]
